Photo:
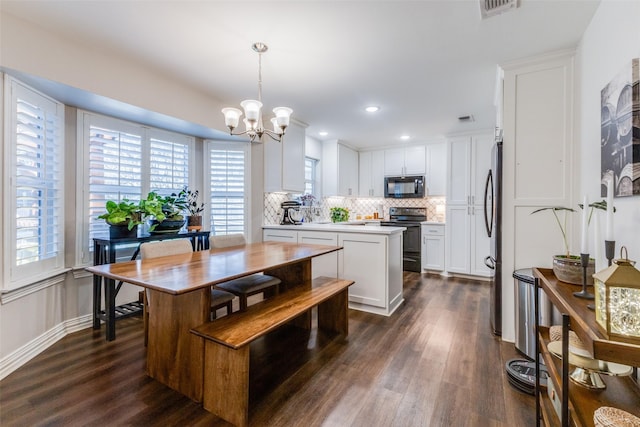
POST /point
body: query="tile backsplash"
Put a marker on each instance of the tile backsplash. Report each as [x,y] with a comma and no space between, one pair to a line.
[356,205]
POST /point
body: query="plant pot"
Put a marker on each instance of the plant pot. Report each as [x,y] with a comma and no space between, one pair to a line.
[194,222]
[122,232]
[569,270]
[167,226]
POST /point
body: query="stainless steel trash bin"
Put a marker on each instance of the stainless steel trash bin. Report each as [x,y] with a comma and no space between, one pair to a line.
[525,312]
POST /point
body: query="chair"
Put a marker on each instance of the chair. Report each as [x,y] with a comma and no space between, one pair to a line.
[219,298]
[243,287]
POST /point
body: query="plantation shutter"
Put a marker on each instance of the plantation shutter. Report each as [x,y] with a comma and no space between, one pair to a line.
[228,190]
[115,169]
[169,165]
[36,216]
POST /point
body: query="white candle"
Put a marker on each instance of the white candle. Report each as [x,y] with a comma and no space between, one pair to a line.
[597,243]
[609,232]
[584,247]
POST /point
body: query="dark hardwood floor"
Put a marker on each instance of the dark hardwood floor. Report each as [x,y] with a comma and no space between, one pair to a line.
[433,363]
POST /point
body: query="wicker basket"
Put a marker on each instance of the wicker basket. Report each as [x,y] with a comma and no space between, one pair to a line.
[606,416]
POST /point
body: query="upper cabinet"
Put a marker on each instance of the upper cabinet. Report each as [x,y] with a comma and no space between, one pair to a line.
[284,161]
[339,169]
[371,182]
[436,173]
[405,161]
[469,164]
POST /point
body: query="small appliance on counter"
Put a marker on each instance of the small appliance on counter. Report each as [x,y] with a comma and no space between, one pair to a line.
[291,213]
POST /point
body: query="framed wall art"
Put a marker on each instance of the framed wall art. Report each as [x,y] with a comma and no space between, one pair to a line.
[620,133]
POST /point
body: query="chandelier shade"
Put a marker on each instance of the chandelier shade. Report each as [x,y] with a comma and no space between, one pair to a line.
[253,111]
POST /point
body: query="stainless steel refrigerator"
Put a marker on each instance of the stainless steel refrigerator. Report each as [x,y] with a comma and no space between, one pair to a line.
[493,223]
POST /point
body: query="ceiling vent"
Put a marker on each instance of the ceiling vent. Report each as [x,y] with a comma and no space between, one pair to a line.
[489,8]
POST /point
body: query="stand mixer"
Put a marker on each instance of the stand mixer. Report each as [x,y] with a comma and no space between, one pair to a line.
[291,213]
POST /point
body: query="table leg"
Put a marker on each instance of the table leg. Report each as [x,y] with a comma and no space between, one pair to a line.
[333,314]
[226,379]
[110,308]
[97,294]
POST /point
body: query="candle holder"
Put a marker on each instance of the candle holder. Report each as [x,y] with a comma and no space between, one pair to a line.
[584,262]
[609,250]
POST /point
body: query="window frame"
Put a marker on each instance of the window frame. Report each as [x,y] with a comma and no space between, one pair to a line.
[85,119]
[44,270]
[227,145]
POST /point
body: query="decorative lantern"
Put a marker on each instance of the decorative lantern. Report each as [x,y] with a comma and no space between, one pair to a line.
[617,290]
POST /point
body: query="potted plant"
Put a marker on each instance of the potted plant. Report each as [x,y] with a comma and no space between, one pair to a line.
[339,214]
[567,267]
[164,212]
[307,199]
[123,218]
[194,208]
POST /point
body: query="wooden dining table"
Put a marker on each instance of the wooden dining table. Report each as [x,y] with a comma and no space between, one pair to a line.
[180,298]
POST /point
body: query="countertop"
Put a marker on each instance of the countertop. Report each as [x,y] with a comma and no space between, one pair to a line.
[432,223]
[349,227]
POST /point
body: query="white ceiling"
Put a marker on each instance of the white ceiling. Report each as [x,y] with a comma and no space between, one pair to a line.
[425,63]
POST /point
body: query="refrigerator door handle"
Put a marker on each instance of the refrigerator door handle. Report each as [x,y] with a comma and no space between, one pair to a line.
[493,262]
[488,186]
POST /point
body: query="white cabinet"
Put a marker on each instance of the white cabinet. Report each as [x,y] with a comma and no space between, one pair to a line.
[467,243]
[436,173]
[339,169]
[374,262]
[284,161]
[405,161]
[433,247]
[371,182]
[327,264]
[279,235]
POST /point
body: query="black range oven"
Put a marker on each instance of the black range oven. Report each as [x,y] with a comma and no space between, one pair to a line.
[410,218]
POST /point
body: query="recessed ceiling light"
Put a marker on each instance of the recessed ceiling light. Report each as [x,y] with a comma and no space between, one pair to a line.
[323,133]
[372,109]
[405,137]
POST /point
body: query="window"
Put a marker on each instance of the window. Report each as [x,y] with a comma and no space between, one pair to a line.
[34,191]
[228,196]
[310,176]
[123,160]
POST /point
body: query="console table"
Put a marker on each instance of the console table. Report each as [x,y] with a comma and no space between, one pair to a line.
[578,403]
[104,252]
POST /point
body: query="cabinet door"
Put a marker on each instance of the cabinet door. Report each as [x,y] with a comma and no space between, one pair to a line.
[480,165]
[363,260]
[414,160]
[377,173]
[394,162]
[275,235]
[458,241]
[284,161]
[480,243]
[459,151]
[293,159]
[365,174]
[433,252]
[436,173]
[323,265]
[347,171]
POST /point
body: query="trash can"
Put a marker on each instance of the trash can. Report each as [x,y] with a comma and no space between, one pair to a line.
[525,312]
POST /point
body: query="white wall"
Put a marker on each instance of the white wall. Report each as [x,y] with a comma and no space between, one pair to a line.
[610,42]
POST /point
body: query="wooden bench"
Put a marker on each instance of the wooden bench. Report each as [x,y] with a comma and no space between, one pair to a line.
[226,354]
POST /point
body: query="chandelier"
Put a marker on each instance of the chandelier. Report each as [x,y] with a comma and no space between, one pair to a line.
[252,111]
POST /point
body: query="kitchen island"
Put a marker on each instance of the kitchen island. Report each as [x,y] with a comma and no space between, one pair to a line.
[371,256]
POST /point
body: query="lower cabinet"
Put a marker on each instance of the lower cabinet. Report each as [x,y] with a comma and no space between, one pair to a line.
[467,244]
[327,264]
[433,247]
[373,261]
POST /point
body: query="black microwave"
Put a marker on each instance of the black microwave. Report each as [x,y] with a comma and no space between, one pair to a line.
[404,187]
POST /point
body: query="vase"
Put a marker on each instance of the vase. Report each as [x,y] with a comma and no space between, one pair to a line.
[194,222]
[167,226]
[569,269]
[122,232]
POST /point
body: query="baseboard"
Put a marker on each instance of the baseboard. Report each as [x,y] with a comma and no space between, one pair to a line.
[36,346]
